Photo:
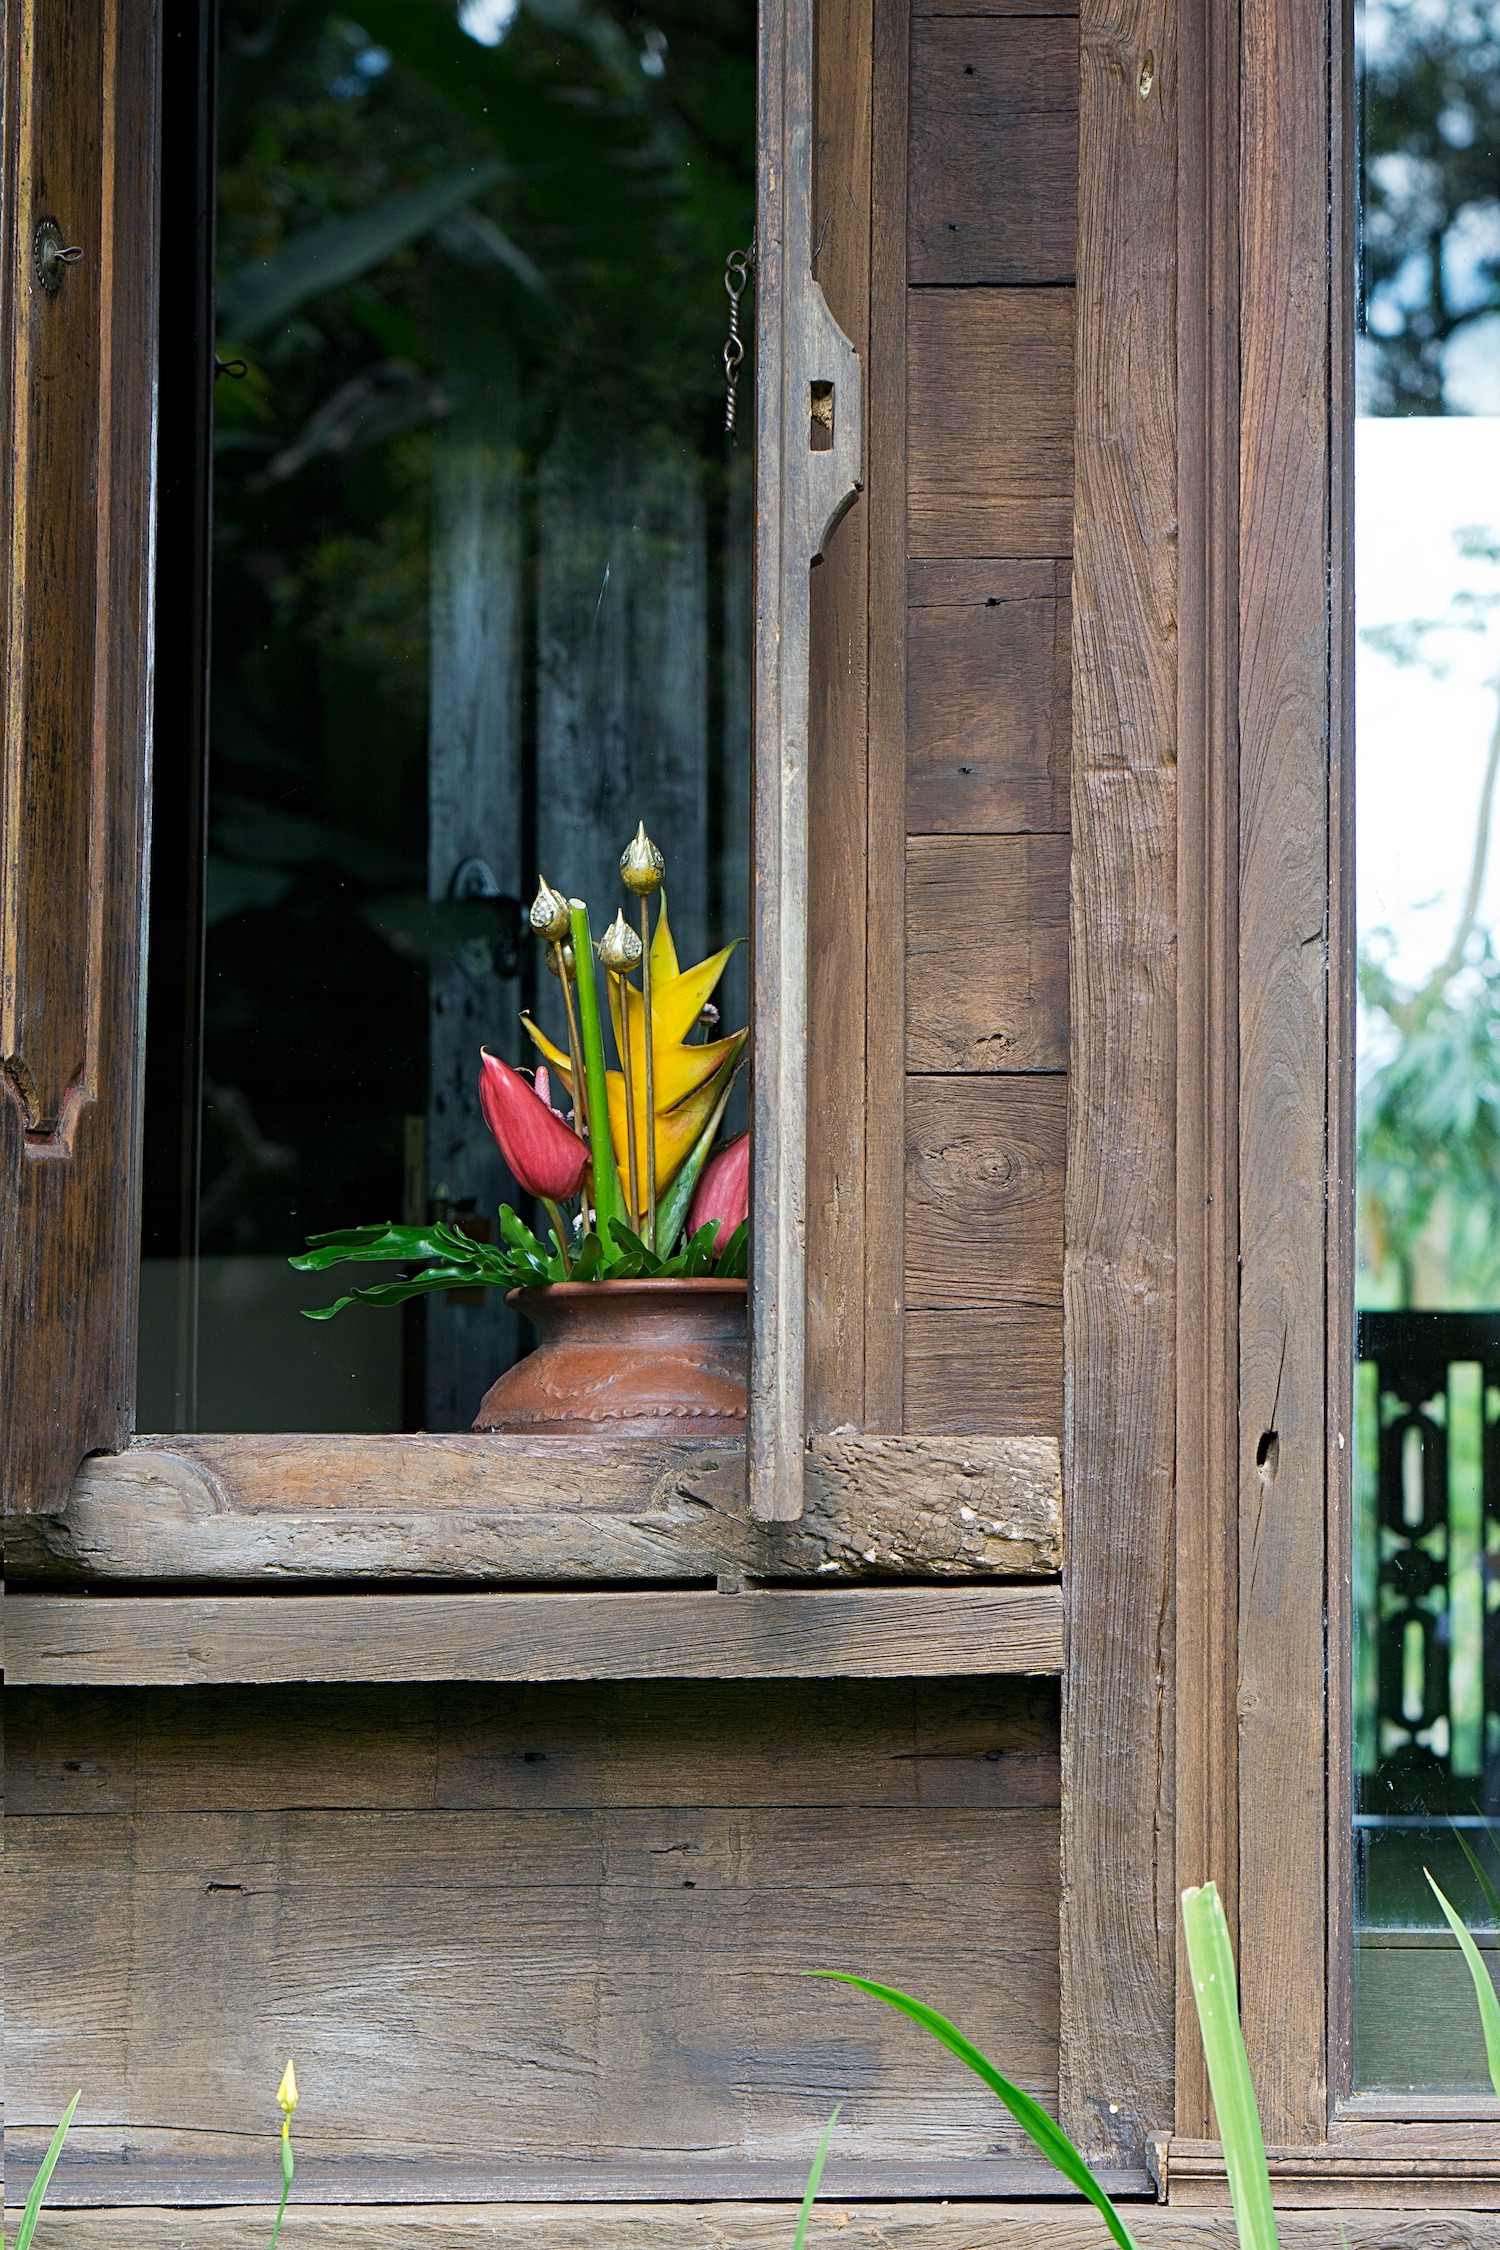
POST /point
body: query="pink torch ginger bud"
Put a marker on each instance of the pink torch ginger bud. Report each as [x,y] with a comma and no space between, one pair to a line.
[548,1160]
[723,1193]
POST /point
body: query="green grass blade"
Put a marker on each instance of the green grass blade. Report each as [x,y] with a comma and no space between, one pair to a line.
[814,2181]
[39,2185]
[1211,1963]
[1479,1872]
[1484,1990]
[1028,2114]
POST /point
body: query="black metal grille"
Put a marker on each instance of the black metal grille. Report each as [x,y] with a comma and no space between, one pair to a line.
[1415,1354]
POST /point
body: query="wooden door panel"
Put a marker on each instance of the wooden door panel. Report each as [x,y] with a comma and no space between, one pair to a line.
[80,338]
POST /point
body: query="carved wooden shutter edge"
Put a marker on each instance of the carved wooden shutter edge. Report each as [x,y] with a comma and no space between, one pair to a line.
[802,355]
[79,336]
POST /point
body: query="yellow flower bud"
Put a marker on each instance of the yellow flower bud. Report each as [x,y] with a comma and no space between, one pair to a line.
[641,865]
[549,911]
[619,948]
[286,2092]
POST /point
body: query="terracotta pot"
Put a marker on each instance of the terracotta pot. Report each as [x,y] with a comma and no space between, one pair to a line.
[627,1359]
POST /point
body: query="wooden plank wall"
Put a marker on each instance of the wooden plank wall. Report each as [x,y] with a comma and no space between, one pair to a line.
[507,1929]
[991,210]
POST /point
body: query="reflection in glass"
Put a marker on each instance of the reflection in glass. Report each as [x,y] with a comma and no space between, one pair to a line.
[480,601]
[1427,589]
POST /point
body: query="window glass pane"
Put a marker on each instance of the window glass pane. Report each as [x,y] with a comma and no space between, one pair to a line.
[480,598]
[1427,1418]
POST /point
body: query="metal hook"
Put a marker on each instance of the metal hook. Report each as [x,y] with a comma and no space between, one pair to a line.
[51,251]
[738,267]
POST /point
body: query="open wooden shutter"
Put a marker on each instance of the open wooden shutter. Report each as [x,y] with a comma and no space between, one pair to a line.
[79,336]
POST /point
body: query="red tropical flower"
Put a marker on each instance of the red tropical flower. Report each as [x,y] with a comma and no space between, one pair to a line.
[548,1159]
[723,1192]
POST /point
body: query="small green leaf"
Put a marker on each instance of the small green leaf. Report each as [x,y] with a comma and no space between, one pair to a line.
[1211,1964]
[1484,1990]
[734,1259]
[45,2170]
[814,2181]
[1477,1868]
[1028,2114]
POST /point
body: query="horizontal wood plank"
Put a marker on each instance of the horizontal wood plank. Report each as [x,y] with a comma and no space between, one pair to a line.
[997,1367]
[1389,2170]
[987,953]
[504,1510]
[984,1191]
[992,194]
[989,697]
[686,2225]
[562,1746]
[990,422]
[182,1640]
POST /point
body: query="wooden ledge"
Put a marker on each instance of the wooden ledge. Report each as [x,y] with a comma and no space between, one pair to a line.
[1391,2167]
[173,1640]
[149,2178]
[837,2224]
[518,1510]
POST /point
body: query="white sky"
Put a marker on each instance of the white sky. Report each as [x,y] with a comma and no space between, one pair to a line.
[1421,741]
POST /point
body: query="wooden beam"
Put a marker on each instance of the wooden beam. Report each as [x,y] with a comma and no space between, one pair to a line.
[549,1511]
[60,1640]
[324,2186]
[1118,1917]
[747,2226]
[1397,2168]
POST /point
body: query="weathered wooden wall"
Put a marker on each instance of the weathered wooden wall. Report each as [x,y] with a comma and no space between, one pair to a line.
[514,1932]
[990,237]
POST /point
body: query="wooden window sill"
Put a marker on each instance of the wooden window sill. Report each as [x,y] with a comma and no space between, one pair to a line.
[543,1510]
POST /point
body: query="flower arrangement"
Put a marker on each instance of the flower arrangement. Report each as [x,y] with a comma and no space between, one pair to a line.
[631,1180]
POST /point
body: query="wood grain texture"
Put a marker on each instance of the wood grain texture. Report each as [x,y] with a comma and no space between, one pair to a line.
[838,782]
[594,1973]
[499,1510]
[184,1640]
[1208,1281]
[1283,720]
[993,194]
[989,697]
[79,455]
[885,968]
[989,422]
[1119,1906]
[996,1368]
[987,953]
[753,2226]
[984,1192]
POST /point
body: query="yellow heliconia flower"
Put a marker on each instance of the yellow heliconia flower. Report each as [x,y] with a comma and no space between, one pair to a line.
[685,1076]
[286,2092]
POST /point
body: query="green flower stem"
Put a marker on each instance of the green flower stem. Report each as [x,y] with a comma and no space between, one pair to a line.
[650,1074]
[609,1200]
[560,1229]
[286,2179]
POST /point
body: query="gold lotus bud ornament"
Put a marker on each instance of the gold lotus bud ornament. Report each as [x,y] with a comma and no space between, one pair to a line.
[549,912]
[619,948]
[641,865]
[560,960]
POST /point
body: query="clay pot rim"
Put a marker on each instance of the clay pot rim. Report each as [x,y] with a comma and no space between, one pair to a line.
[674,1285]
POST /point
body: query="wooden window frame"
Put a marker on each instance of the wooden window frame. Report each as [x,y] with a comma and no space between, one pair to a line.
[1209,1298]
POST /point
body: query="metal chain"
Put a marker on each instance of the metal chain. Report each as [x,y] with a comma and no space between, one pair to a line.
[738,267]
